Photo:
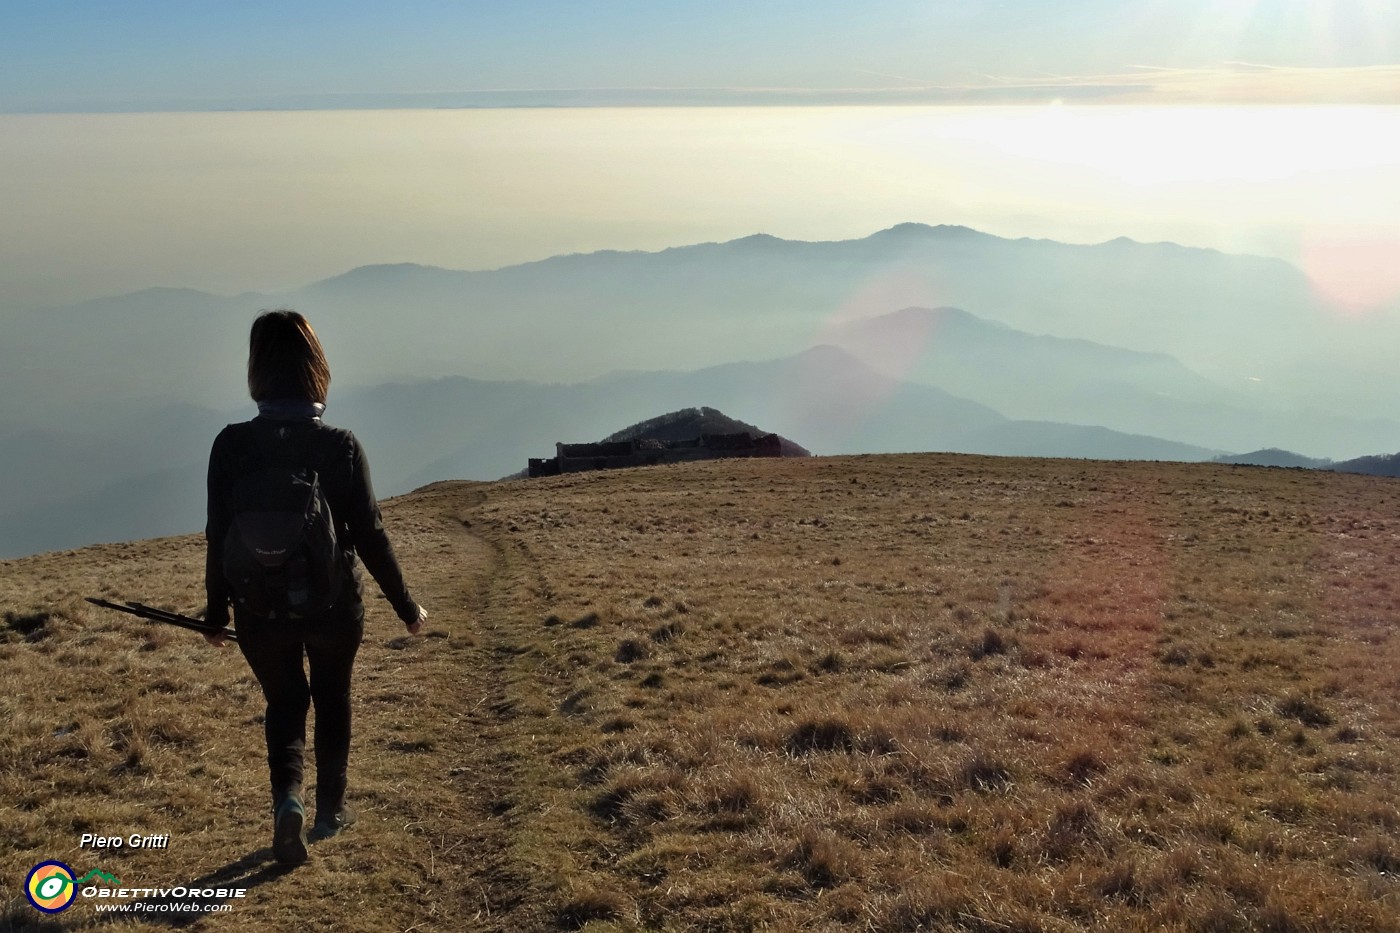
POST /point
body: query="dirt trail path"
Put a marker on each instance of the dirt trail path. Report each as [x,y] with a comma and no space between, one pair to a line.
[431,770]
[435,727]
[450,745]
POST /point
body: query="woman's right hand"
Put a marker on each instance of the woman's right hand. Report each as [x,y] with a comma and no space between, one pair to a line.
[416,625]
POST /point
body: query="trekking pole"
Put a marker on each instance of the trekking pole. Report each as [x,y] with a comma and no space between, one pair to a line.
[153,614]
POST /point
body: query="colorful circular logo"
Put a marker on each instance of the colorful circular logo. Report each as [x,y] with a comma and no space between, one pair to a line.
[50,887]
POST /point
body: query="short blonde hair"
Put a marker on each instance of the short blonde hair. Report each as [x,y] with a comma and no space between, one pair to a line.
[285,359]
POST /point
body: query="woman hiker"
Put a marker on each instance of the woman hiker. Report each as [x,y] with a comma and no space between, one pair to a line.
[290,506]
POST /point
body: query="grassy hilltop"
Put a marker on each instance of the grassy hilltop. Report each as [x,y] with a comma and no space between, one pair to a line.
[897,693]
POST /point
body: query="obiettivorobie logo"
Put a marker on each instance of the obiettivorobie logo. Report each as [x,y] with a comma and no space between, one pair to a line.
[52,888]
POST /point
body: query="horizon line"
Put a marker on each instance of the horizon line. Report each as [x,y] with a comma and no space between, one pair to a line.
[1233,83]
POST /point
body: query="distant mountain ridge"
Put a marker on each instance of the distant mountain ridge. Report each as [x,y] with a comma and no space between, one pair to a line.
[912,338]
[1378,465]
[570,318]
[1048,378]
[1274,457]
[1375,465]
[460,428]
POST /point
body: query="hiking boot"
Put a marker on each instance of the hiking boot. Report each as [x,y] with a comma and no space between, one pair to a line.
[289,831]
[330,823]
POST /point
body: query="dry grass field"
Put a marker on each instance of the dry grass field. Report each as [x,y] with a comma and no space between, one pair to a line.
[905,693]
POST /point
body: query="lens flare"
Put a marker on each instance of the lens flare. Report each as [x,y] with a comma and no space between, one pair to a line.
[1354,272]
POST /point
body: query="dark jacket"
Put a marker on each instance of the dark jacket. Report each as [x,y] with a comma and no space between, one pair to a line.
[340,461]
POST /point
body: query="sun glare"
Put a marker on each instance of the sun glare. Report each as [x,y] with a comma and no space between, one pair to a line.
[1165,145]
[1326,29]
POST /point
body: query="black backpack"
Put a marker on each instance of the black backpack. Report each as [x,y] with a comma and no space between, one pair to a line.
[281,556]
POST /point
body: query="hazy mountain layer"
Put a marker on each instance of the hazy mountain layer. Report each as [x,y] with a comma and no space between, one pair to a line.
[1116,350]
[457,428]
[1048,378]
[1249,324]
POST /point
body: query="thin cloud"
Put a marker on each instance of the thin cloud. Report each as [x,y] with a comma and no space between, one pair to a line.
[1234,82]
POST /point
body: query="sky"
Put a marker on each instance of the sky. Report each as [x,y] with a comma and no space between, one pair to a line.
[262,146]
[144,55]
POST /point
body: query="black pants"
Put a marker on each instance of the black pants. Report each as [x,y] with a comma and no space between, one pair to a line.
[275,651]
